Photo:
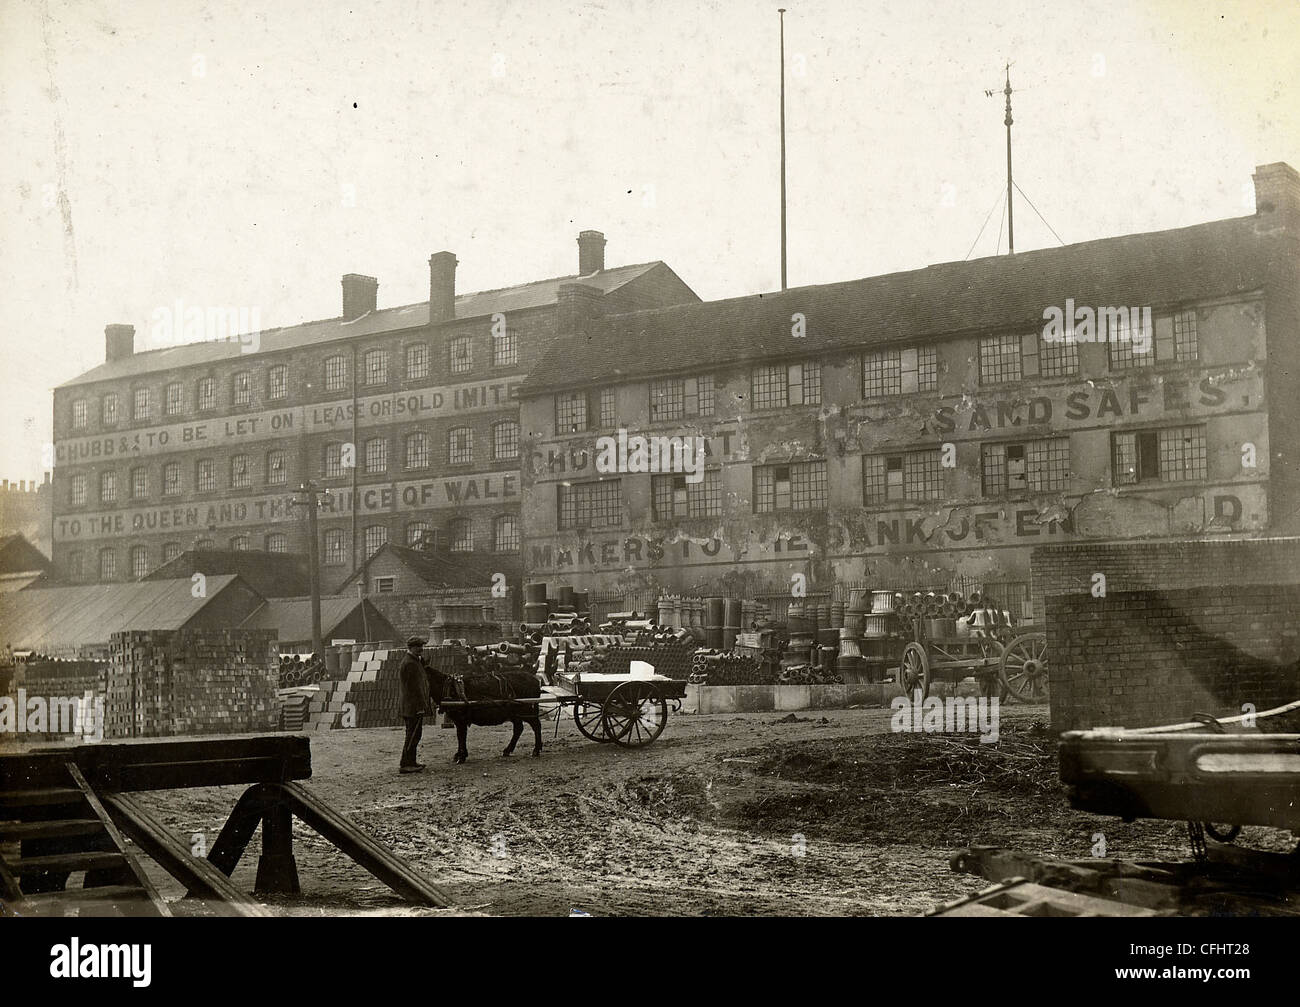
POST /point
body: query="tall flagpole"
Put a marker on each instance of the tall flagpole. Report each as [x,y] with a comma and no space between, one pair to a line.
[1011,232]
[781,12]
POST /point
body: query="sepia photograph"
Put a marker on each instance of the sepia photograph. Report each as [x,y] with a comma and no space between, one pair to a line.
[616,458]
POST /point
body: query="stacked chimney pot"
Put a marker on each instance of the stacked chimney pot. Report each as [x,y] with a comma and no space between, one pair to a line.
[360,295]
[442,287]
[591,252]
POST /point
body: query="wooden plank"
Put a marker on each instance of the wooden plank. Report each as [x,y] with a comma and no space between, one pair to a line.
[96,805]
[196,874]
[92,860]
[54,829]
[39,797]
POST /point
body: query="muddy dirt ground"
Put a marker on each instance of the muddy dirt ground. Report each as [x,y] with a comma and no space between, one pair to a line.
[809,814]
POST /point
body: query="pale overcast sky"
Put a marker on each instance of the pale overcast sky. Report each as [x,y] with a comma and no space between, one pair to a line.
[247,155]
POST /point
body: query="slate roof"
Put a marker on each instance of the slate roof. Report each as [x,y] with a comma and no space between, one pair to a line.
[998,293]
[445,570]
[537,293]
[48,618]
[270,574]
[291,618]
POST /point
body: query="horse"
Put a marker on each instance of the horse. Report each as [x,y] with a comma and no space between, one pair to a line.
[492,695]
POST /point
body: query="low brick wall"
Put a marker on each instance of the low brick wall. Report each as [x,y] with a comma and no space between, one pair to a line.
[412,614]
[1143,658]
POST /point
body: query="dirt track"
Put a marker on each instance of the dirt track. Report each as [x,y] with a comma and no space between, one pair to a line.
[727,814]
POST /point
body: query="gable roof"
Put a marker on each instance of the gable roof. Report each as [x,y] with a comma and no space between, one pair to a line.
[291,617]
[270,574]
[442,569]
[1159,268]
[17,555]
[48,619]
[536,294]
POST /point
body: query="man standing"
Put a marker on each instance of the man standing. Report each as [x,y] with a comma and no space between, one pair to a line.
[414,702]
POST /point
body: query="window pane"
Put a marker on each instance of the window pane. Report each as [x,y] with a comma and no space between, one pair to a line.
[882,374]
[570,412]
[1186,341]
[769,387]
[505,348]
[667,400]
[1182,454]
[505,534]
[460,449]
[461,355]
[590,505]
[417,361]
[999,359]
[505,440]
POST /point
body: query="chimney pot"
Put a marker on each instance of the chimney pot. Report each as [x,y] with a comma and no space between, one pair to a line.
[119,342]
[360,295]
[591,252]
[442,287]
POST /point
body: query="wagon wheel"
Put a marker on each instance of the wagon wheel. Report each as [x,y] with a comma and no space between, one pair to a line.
[590,718]
[1024,668]
[1221,834]
[914,670]
[634,715]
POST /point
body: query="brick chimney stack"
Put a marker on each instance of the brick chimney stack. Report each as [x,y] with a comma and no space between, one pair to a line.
[1277,195]
[442,287]
[360,295]
[577,307]
[591,252]
[119,342]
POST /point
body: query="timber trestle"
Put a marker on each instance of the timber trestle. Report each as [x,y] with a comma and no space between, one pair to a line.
[69,812]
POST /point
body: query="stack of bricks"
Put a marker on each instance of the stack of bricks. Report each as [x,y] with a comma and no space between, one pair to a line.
[367,697]
[55,681]
[1144,658]
[223,681]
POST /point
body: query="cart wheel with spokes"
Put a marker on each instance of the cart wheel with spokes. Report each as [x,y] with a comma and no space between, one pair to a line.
[635,714]
[1024,668]
[914,671]
[590,718]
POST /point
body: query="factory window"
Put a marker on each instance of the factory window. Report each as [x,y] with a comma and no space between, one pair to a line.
[1186,341]
[333,544]
[80,415]
[898,372]
[336,373]
[462,355]
[505,347]
[205,475]
[417,361]
[590,505]
[170,551]
[239,543]
[241,389]
[174,399]
[460,446]
[276,472]
[797,486]
[416,532]
[505,440]
[376,536]
[108,487]
[171,479]
[608,408]
[376,456]
[140,407]
[109,409]
[277,383]
[139,561]
[672,496]
[241,473]
[76,566]
[505,533]
[779,385]
[1174,454]
[1124,355]
[77,491]
[1000,359]
[139,483]
[911,475]
[376,363]
[1057,358]
[204,545]
[570,412]
[1041,466]
[673,398]
[417,451]
[107,564]
[385,585]
[277,541]
[332,467]
[461,534]
[705,387]
[207,393]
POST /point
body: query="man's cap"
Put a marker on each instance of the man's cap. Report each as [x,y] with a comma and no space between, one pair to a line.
[416,641]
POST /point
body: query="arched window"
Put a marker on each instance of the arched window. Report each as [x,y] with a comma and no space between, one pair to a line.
[505,533]
[461,533]
[376,536]
[460,446]
[170,551]
[417,451]
[139,561]
[415,533]
[277,542]
[107,564]
[334,547]
[505,440]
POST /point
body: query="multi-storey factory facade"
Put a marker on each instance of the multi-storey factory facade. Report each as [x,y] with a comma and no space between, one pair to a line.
[914,427]
[405,418]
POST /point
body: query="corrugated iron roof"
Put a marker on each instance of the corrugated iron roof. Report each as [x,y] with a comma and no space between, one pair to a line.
[538,293]
[1158,268]
[59,617]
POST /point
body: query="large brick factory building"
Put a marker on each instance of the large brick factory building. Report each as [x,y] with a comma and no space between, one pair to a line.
[916,427]
[405,418]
